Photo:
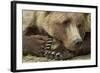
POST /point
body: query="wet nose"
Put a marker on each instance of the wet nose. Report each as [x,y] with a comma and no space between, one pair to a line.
[78,41]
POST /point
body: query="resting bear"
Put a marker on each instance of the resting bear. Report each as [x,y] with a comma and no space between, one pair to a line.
[70,30]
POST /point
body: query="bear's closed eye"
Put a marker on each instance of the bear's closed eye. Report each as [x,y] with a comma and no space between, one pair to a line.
[66,22]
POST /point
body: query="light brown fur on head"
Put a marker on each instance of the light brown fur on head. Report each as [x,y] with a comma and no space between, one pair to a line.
[66,26]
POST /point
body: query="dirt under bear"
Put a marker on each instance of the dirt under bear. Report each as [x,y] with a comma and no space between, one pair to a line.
[70,31]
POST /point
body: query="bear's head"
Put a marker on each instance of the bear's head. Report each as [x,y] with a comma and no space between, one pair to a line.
[67,27]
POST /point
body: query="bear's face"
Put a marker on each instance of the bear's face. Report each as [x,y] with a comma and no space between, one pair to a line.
[68,28]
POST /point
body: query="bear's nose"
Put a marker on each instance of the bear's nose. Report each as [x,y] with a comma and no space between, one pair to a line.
[78,42]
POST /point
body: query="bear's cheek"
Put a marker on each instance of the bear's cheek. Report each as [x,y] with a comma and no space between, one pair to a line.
[66,43]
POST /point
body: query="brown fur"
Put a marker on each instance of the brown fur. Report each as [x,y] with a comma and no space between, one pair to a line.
[64,27]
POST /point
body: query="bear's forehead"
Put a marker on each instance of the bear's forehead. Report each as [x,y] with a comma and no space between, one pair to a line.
[67,14]
[62,16]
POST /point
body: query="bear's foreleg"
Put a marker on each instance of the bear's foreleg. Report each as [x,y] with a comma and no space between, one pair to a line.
[34,44]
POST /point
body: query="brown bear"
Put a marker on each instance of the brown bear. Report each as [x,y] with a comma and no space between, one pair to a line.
[70,32]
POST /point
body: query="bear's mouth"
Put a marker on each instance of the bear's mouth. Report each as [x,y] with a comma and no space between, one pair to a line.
[55,43]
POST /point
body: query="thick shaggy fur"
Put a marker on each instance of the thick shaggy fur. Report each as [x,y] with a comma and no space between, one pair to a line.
[64,27]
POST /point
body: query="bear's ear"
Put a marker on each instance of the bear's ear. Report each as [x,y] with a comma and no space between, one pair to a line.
[31,30]
[87,24]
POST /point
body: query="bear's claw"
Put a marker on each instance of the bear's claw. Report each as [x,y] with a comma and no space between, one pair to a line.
[58,55]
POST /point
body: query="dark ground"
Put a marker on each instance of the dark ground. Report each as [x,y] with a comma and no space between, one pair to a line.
[30,58]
